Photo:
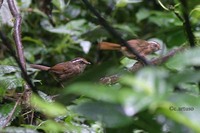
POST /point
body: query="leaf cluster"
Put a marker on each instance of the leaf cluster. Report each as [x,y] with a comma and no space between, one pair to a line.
[154,99]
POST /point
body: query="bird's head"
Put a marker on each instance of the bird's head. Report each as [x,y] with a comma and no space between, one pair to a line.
[155,46]
[81,62]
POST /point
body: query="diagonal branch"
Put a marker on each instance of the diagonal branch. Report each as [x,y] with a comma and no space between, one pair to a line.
[115,34]
[187,24]
[138,65]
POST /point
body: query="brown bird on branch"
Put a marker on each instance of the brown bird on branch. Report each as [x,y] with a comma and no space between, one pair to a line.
[65,70]
[141,46]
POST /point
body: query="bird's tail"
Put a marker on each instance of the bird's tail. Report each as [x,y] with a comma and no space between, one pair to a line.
[109,46]
[40,67]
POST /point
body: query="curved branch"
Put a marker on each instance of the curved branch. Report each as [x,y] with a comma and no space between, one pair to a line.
[17,35]
[17,32]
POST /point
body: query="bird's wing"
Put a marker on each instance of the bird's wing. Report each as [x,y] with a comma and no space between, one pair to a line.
[58,68]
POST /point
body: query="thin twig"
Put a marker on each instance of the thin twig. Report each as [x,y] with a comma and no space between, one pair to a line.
[162,5]
[32,116]
[171,8]
[12,112]
[115,34]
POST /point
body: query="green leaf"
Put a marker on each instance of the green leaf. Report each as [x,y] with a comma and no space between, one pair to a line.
[149,88]
[187,76]
[60,4]
[110,114]
[150,81]
[24,3]
[11,81]
[195,14]
[183,109]
[142,14]
[52,126]
[5,69]
[18,130]
[73,27]
[122,3]
[11,78]
[109,94]
[5,111]
[184,59]
[35,41]
[48,108]
[163,19]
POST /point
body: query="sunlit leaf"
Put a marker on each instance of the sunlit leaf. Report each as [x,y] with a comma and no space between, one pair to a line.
[142,14]
[195,14]
[49,108]
[4,69]
[18,130]
[60,4]
[52,126]
[11,82]
[36,41]
[71,28]
[122,3]
[86,45]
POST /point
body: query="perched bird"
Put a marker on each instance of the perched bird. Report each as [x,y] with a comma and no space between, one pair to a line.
[141,46]
[65,70]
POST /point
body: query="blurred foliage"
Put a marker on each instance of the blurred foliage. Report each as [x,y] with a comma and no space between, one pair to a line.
[154,99]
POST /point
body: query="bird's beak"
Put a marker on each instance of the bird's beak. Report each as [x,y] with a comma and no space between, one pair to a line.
[88,63]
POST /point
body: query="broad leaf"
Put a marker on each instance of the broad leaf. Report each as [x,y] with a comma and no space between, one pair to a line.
[185,59]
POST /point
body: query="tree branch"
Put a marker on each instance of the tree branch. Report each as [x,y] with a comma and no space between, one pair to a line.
[138,65]
[187,24]
[17,35]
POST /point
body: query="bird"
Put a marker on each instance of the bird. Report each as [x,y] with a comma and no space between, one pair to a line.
[141,46]
[65,70]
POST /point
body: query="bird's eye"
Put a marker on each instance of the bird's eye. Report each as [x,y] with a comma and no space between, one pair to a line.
[82,62]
